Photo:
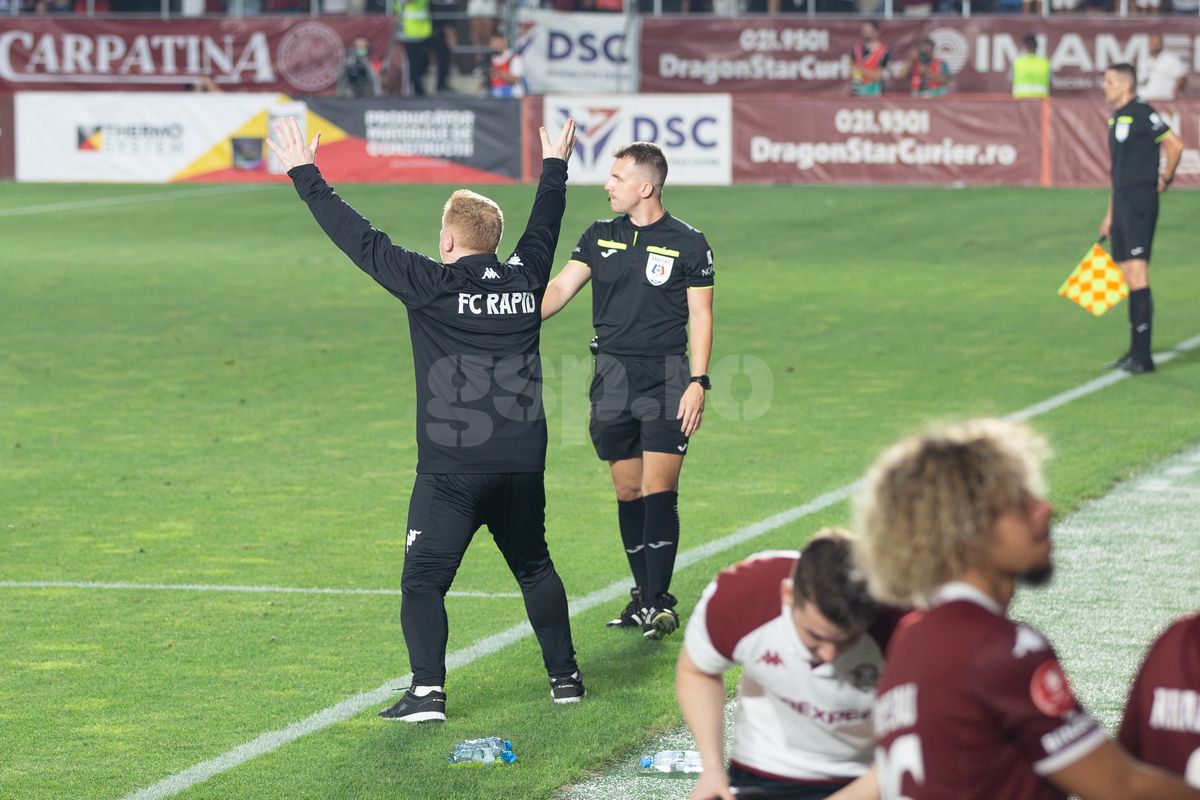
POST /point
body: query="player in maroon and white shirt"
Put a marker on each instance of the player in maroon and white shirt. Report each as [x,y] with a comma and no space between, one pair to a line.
[1162,717]
[810,642]
[972,705]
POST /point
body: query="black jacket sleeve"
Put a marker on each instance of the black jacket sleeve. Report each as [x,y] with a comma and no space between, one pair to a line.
[411,277]
[540,239]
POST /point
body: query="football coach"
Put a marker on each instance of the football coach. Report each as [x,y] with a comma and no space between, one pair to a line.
[481,430]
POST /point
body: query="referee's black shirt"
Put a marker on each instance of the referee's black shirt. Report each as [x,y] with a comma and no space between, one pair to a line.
[640,278]
[474,325]
[1134,133]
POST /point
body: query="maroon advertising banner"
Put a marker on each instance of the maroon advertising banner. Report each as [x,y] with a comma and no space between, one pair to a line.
[903,140]
[774,54]
[7,131]
[1079,141]
[297,55]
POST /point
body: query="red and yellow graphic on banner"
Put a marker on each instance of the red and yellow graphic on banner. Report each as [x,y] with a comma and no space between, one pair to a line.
[1096,284]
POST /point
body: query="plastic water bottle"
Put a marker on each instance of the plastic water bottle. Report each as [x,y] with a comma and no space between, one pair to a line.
[492,750]
[674,761]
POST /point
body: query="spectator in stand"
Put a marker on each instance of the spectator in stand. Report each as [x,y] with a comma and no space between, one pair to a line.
[1031,72]
[414,30]
[481,17]
[359,76]
[928,75]
[1162,75]
[506,78]
[447,15]
[871,59]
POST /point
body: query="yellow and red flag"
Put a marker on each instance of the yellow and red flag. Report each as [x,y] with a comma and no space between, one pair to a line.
[1097,283]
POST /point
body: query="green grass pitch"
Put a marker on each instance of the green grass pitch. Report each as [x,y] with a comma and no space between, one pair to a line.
[202,390]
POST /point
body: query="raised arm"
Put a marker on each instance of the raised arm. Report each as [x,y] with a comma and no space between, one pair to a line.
[402,272]
[540,239]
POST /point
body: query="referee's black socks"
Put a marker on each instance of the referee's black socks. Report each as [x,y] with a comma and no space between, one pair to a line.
[662,540]
[631,516]
[1141,311]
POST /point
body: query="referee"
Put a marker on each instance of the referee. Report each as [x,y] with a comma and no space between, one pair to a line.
[1135,131]
[481,429]
[652,279]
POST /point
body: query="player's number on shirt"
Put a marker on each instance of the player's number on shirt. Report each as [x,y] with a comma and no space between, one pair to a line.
[1191,773]
[902,758]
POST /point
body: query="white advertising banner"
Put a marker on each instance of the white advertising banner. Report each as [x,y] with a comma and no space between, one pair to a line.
[566,52]
[695,132]
[130,137]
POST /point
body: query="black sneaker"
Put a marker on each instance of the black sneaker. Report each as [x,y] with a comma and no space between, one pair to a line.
[1136,367]
[631,614]
[567,689]
[410,708]
[1120,362]
[659,622]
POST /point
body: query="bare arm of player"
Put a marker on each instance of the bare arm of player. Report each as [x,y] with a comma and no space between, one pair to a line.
[865,788]
[1109,773]
[1106,223]
[702,702]
[290,150]
[566,284]
[1174,147]
[700,336]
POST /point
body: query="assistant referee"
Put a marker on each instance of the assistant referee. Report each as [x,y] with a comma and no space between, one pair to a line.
[1135,132]
[481,428]
[652,286]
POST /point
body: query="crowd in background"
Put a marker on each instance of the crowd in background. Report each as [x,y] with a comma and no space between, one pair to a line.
[468,12]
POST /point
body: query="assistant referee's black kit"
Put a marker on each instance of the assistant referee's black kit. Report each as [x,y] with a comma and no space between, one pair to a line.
[1135,132]
[481,428]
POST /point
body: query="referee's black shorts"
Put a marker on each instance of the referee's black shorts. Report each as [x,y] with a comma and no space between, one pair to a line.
[447,508]
[634,403]
[1135,213]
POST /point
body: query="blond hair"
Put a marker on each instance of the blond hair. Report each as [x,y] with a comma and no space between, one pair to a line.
[929,503]
[477,222]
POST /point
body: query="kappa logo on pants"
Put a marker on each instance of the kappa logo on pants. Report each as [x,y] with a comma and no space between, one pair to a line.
[412,537]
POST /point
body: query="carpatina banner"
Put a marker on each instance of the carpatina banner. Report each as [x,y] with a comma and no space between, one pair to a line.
[260,55]
[801,54]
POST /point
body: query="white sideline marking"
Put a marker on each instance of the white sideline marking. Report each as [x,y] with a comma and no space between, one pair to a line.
[352,706]
[100,202]
[201,587]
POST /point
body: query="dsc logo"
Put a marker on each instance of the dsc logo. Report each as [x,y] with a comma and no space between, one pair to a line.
[586,48]
[676,131]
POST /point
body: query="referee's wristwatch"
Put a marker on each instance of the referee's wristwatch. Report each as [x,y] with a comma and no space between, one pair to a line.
[703,380]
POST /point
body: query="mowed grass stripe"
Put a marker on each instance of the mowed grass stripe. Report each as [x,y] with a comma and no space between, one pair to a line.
[184,587]
[352,706]
[130,199]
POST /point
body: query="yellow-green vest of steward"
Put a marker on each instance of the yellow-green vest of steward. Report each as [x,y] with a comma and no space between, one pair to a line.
[416,24]
[1031,76]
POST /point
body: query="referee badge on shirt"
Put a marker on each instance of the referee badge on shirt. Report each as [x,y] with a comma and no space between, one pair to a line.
[1122,130]
[658,268]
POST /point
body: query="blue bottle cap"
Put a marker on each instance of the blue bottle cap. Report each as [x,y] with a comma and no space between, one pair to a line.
[647,760]
[508,755]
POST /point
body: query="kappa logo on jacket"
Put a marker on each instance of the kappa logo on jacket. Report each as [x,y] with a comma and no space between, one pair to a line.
[491,273]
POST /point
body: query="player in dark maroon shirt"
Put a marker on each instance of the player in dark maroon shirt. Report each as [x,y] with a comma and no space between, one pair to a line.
[1162,717]
[972,705]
